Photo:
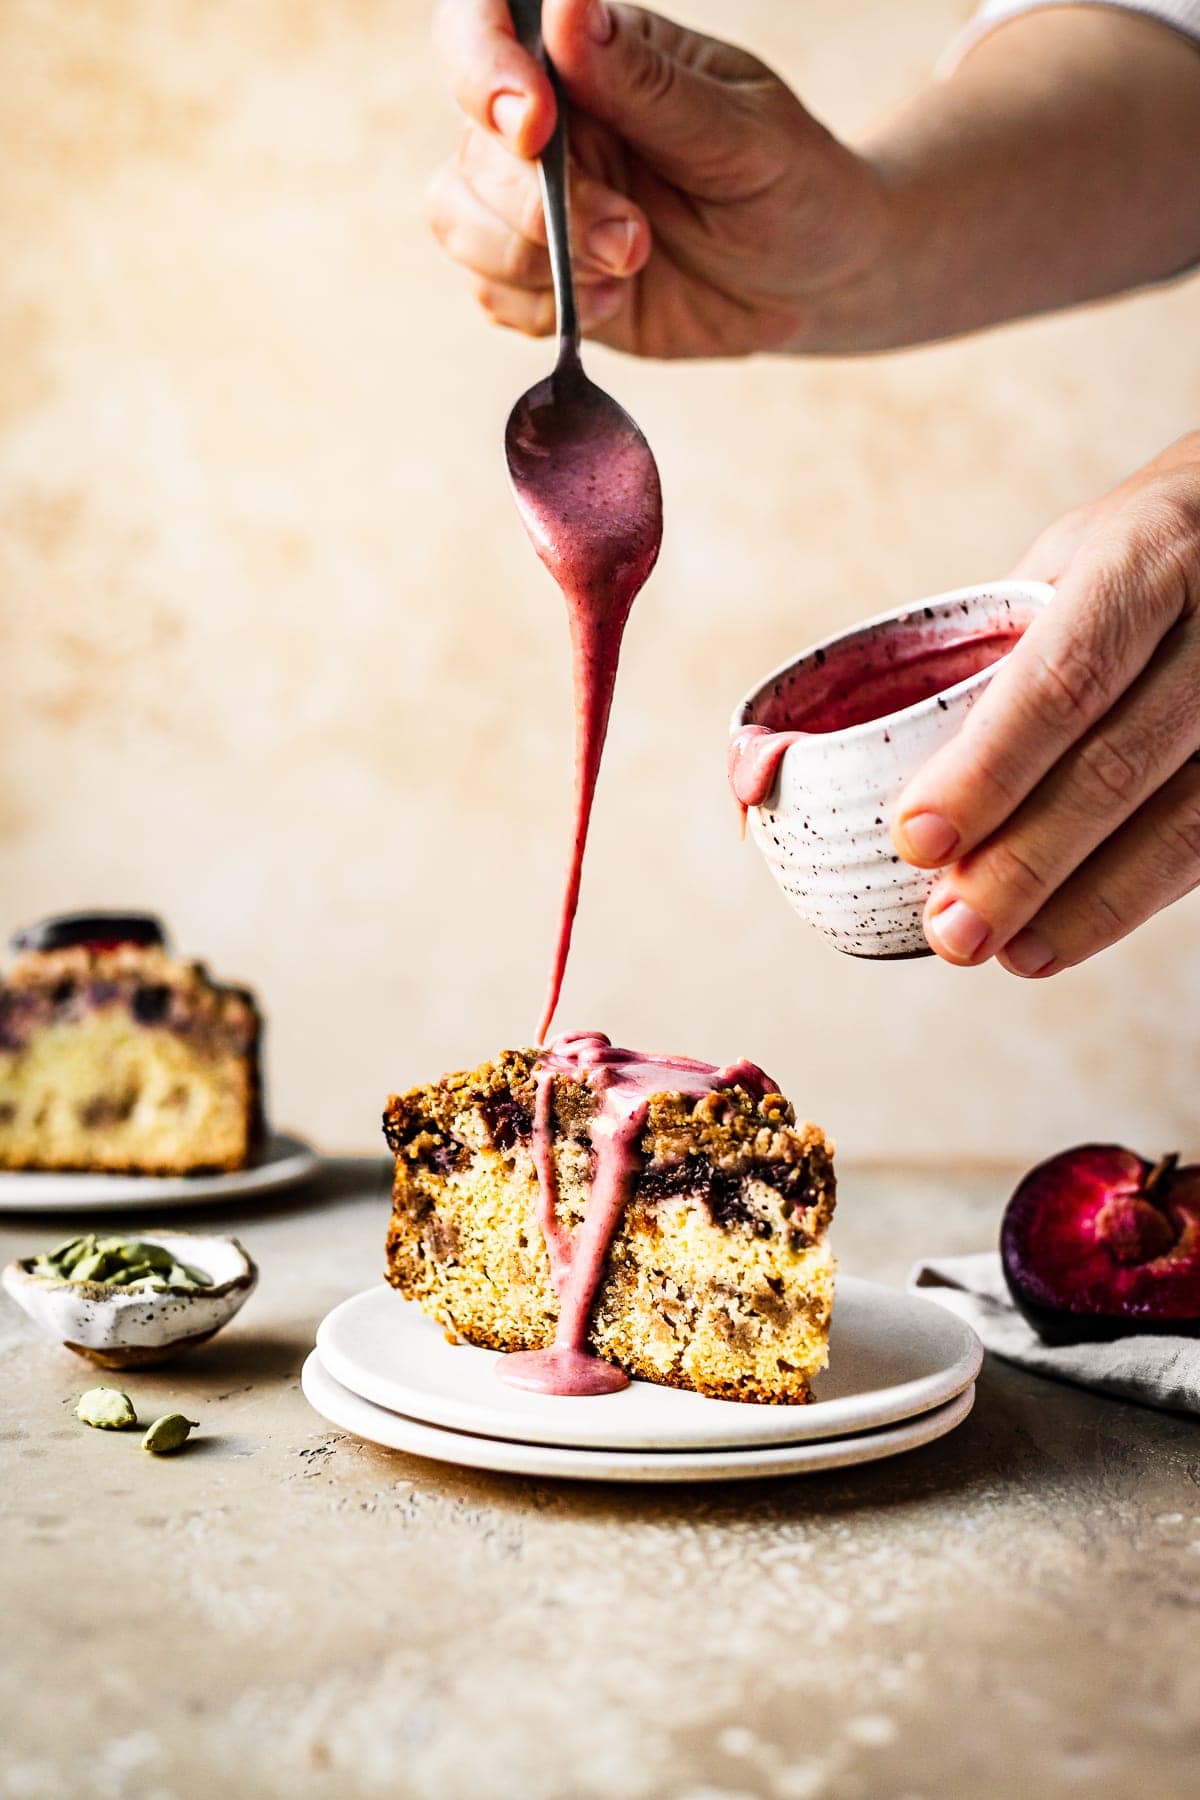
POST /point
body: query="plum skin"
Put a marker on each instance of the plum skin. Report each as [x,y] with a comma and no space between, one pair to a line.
[1097,1243]
[97,930]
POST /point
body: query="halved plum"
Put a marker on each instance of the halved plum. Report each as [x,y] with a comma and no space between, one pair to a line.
[1098,1243]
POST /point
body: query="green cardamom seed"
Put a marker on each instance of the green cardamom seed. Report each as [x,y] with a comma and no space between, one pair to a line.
[68,1251]
[92,1267]
[62,1259]
[183,1275]
[154,1254]
[168,1434]
[118,1262]
[131,1250]
[132,1272]
[107,1408]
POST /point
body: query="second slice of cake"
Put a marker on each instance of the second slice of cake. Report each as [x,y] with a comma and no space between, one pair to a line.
[118,1057]
[696,1201]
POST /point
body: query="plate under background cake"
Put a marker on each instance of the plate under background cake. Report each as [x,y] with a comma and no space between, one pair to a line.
[116,1056]
[718,1277]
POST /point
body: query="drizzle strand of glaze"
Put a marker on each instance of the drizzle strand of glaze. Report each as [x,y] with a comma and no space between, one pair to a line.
[624,1082]
[589,497]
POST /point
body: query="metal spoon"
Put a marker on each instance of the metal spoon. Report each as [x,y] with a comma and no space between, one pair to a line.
[587,488]
[584,477]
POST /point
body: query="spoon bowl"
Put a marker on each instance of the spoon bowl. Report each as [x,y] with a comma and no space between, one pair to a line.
[584,477]
[586,486]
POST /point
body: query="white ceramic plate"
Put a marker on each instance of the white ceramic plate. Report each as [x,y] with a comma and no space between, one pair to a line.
[349,1412]
[281,1163]
[892,1356]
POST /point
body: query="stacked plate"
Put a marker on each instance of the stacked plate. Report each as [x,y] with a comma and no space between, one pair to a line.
[901,1373]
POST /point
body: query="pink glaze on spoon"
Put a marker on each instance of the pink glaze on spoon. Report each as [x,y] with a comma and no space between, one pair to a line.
[624,1082]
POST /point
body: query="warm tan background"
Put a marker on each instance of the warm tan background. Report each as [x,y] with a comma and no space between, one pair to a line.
[276,658]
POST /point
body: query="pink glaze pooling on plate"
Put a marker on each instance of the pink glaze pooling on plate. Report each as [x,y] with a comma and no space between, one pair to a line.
[870,688]
[625,1082]
[590,499]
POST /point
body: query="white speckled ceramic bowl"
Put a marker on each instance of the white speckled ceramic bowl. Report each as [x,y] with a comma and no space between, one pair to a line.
[120,1328]
[823,827]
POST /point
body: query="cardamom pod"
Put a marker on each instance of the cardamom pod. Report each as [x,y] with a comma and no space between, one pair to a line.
[168,1434]
[93,1267]
[118,1262]
[107,1408]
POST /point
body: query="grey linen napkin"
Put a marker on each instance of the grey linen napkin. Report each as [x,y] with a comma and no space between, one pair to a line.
[1155,1371]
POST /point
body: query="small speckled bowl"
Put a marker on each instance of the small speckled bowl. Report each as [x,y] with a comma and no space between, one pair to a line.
[123,1329]
[823,827]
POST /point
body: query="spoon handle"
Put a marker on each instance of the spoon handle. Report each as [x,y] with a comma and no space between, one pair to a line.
[527,18]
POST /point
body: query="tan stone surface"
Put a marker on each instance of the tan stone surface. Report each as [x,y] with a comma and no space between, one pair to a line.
[283,1611]
[275,657]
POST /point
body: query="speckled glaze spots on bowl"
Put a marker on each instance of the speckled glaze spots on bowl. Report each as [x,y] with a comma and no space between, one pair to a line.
[824,827]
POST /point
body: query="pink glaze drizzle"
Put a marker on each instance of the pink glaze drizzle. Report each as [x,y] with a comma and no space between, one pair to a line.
[590,500]
[625,1082]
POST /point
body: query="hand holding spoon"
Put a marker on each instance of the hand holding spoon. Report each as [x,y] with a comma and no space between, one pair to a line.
[587,488]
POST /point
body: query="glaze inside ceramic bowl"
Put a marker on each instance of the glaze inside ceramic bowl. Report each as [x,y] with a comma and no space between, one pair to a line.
[821,751]
[888,666]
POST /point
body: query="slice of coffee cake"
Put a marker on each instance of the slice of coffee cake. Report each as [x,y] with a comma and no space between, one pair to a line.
[117,1056]
[611,1212]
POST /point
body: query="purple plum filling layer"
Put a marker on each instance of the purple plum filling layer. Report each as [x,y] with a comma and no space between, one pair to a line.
[728,1195]
[25,1011]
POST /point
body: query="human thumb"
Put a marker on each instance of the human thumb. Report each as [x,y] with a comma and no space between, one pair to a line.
[656,84]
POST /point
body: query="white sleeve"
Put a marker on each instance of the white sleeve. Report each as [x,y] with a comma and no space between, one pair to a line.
[1181,15]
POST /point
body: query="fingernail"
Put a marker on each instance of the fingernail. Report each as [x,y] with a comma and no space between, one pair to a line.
[611,242]
[508,114]
[930,837]
[1028,953]
[600,23]
[600,301]
[958,929]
